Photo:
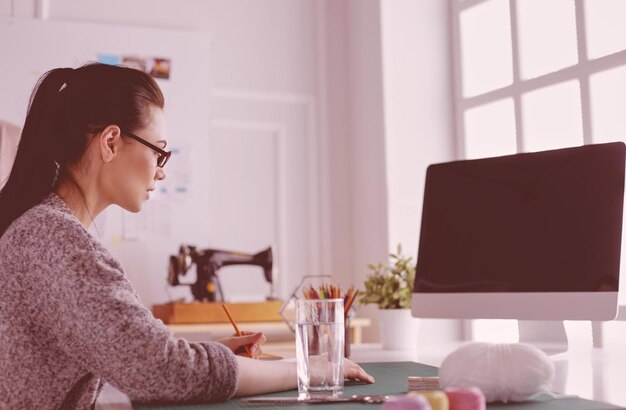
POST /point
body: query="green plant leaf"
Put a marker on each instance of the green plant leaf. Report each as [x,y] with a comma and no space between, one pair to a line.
[390,285]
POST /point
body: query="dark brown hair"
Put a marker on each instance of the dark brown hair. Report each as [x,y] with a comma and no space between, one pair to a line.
[65,108]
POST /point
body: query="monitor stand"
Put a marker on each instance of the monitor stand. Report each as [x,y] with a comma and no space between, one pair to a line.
[546,335]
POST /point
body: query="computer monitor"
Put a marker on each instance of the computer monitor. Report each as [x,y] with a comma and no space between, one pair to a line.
[534,236]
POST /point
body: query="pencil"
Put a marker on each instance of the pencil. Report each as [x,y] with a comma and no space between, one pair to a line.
[350,299]
[232,322]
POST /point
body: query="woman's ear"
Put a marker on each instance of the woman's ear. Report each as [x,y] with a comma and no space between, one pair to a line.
[109,142]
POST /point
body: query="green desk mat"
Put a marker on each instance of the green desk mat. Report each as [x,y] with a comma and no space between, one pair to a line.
[391,379]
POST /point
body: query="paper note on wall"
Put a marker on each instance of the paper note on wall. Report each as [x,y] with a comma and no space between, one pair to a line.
[177,184]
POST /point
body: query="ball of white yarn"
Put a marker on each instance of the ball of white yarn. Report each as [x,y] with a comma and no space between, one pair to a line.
[503,371]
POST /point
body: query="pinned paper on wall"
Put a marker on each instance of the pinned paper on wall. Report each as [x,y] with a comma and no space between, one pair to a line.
[157,67]
[177,184]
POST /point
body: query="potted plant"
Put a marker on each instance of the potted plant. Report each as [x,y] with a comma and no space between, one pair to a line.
[390,286]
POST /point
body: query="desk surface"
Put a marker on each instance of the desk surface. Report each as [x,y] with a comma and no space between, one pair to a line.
[211,331]
[593,374]
[391,379]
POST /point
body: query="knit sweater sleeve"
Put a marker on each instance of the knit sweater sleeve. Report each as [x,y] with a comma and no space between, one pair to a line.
[98,320]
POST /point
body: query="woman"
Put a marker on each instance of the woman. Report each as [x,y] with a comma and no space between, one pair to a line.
[69,318]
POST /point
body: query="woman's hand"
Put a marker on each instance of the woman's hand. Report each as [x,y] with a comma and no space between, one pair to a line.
[253,340]
[260,377]
[353,371]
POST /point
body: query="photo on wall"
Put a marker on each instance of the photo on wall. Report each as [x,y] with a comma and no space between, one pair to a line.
[157,67]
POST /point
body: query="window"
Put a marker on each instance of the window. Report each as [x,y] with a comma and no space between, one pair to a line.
[532,75]
[557,69]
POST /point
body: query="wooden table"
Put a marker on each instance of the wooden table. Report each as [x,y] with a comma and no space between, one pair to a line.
[274,331]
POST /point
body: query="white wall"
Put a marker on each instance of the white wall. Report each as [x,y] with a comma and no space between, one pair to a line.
[418,121]
[418,107]
[262,45]
[370,130]
[392,85]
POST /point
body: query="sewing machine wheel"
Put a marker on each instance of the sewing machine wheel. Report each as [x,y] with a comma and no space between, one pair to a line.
[184,259]
[172,271]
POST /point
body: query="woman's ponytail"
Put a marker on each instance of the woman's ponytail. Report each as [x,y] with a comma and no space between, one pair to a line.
[34,170]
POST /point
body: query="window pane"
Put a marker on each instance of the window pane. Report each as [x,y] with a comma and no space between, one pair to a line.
[547,36]
[486,62]
[606,30]
[490,130]
[552,117]
[608,105]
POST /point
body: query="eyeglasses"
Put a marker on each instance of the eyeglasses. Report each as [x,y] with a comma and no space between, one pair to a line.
[164,156]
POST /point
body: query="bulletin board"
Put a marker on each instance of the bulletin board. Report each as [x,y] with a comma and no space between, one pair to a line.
[143,241]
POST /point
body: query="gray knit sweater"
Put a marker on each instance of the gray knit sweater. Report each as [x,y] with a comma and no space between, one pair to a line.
[70,320]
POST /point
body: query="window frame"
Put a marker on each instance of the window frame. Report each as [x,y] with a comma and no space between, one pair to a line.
[582,72]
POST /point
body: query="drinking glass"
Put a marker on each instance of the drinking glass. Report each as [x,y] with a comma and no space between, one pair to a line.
[320,347]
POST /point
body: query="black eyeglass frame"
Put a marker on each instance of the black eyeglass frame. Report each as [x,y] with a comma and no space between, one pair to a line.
[164,156]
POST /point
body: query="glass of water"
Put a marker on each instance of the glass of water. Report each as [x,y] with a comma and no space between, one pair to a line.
[320,347]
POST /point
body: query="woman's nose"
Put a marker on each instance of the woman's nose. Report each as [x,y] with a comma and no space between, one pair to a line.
[160,174]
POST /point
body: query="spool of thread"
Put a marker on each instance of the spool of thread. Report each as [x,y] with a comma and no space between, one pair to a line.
[422,383]
[437,399]
[465,398]
[407,403]
[503,372]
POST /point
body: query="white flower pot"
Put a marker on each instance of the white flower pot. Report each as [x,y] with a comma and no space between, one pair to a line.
[398,329]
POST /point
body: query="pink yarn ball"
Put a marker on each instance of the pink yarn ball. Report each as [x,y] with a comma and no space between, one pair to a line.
[417,402]
[465,398]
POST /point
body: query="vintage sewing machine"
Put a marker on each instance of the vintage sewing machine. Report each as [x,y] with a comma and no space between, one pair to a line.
[208,261]
[206,288]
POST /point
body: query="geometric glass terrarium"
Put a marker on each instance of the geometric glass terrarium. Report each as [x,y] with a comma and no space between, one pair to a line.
[288,309]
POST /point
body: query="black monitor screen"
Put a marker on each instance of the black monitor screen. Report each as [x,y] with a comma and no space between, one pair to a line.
[539,222]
